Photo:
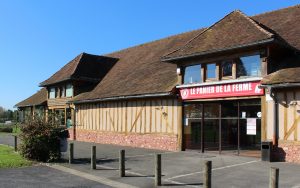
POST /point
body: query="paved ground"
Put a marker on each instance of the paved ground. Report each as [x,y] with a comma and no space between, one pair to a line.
[42,176]
[180,169]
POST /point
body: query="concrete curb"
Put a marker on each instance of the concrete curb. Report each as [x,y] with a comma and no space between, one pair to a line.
[98,179]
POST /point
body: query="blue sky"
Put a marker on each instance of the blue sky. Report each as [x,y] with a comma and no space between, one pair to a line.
[38,37]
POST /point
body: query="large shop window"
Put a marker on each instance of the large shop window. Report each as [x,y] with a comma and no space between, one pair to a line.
[248,66]
[192,74]
[52,93]
[211,71]
[69,90]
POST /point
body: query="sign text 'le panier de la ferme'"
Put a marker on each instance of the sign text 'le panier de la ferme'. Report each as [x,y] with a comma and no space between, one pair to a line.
[222,90]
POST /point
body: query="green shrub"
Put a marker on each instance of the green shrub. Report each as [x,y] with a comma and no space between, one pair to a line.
[40,140]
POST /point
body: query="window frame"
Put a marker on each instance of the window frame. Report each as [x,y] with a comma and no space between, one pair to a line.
[52,88]
[72,87]
[200,74]
[215,72]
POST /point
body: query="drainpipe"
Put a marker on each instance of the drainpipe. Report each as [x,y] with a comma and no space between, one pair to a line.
[275,117]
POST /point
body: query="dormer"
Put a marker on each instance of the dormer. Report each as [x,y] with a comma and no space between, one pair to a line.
[234,48]
[80,75]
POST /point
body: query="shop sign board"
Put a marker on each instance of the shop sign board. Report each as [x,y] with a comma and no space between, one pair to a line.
[222,90]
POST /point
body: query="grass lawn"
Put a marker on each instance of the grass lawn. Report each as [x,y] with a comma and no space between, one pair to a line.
[11,159]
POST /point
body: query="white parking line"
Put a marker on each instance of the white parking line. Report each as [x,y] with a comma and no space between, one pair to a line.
[143,175]
[220,168]
[134,156]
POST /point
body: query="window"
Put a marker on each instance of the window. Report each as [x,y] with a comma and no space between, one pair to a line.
[69,90]
[192,74]
[62,91]
[57,92]
[226,68]
[248,66]
[52,93]
[210,71]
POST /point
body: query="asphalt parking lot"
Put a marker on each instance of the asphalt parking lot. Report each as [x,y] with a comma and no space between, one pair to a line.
[180,169]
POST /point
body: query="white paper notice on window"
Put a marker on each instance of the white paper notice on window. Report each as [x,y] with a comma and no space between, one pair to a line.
[251,126]
[186,122]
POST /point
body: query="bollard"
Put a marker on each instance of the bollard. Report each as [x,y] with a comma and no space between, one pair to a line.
[122,163]
[207,174]
[71,153]
[93,157]
[274,177]
[158,170]
[16,143]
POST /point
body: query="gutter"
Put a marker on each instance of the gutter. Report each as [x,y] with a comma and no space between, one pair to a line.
[281,85]
[123,97]
[71,78]
[266,41]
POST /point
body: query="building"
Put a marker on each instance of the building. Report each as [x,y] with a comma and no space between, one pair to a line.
[218,88]
[35,105]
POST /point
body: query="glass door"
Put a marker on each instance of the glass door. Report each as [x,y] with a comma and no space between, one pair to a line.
[211,126]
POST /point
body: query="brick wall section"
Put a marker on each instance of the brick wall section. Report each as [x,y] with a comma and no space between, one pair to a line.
[287,151]
[291,151]
[150,141]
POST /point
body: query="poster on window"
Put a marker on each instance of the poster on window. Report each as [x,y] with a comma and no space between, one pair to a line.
[251,126]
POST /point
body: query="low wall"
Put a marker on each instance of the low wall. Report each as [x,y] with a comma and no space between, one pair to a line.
[288,151]
[150,141]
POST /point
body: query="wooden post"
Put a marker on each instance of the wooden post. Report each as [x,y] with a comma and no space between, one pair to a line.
[207,174]
[158,170]
[93,157]
[71,153]
[16,142]
[274,177]
[122,163]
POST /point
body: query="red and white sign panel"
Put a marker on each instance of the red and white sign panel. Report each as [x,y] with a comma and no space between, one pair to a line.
[222,90]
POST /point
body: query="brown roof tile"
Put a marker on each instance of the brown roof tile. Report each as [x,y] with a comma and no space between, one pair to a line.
[235,29]
[39,98]
[140,70]
[84,66]
[289,75]
[283,22]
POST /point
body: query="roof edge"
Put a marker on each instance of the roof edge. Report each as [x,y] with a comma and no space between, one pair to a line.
[150,95]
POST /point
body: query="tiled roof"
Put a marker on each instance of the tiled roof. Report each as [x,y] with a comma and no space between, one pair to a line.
[234,30]
[83,67]
[39,98]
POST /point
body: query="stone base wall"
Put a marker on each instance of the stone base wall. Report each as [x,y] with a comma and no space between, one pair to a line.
[150,141]
[288,151]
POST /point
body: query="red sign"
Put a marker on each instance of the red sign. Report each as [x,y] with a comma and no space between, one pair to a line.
[222,90]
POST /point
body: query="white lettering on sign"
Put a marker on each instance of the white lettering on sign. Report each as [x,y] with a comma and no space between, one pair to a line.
[234,89]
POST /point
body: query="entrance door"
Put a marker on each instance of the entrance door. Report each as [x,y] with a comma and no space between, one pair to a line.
[223,126]
[211,126]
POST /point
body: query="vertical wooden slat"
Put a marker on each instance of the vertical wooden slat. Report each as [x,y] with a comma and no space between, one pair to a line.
[146,116]
[150,117]
[285,115]
[263,119]
[126,116]
[179,124]
[160,115]
[295,117]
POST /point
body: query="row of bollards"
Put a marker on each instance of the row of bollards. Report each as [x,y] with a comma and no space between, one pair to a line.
[207,172]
